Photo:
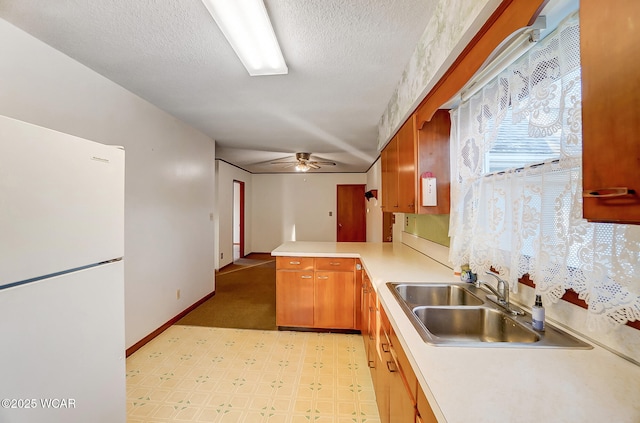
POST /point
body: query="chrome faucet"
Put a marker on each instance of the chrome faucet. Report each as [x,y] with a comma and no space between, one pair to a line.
[501,293]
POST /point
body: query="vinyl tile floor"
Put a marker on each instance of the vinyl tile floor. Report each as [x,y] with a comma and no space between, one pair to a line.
[201,374]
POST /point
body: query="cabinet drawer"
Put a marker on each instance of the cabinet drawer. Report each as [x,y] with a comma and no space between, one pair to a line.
[294,263]
[336,264]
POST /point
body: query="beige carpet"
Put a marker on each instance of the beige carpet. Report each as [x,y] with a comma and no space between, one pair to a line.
[251,260]
[245,298]
[197,374]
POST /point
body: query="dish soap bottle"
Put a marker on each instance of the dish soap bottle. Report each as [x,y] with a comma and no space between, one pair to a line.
[537,314]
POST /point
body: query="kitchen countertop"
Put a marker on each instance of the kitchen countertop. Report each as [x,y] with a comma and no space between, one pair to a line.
[491,385]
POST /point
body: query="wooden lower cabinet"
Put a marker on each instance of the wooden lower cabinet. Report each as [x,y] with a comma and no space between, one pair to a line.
[294,293]
[402,408]
[334,300]
[316,292]
[396,383]
[367,325]
[425,413]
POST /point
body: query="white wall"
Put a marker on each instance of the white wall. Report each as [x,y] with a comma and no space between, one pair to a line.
[169,237]
[374,206]
[296,206]
[226,174]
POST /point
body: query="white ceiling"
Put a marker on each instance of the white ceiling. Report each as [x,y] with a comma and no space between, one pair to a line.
[345,58]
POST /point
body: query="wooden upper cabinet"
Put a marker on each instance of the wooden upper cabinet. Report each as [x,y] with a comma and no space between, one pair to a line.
[610,112]
[408,155]
[389,165]
[433,156]
[407,167]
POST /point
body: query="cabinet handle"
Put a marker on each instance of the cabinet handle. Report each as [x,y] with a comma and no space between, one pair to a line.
[607,192]
[385,347]
[391,366]
[372,364]
[323,277]
[306,277]
[294,262]
[335,263]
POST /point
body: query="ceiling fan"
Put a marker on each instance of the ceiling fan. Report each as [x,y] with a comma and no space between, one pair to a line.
[303,163]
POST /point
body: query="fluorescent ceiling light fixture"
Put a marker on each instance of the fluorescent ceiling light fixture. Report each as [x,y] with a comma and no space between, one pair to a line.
[248,29]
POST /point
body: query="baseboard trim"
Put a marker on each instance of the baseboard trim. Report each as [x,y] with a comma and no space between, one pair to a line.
[135,347]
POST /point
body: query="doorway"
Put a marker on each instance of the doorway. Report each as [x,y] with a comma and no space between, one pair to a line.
[351,215]
[238,220]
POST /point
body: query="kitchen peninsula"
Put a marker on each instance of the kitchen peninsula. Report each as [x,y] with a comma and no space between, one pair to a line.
[490,385]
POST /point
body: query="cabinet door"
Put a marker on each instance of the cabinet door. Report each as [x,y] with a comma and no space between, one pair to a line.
[294,298]
[389,165]
[401,406]
[407,167]
[610,112]
[433,156]
[383,380]
[364,312]
[334,303]
[425,413]
[372,329]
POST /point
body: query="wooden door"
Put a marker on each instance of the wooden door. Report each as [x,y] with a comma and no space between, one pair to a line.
[351,215]
[238,216]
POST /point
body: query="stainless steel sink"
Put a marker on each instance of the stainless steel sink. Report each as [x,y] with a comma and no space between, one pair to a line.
[461,315]
[473,324]
[436,295]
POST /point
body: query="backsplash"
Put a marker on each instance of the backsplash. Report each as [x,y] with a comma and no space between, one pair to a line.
[432,227]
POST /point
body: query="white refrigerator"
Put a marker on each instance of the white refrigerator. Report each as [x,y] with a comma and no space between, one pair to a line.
[62,348]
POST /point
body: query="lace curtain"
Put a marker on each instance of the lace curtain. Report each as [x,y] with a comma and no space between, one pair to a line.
[529,219]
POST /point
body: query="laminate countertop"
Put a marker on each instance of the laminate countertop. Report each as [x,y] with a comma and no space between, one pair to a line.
[493,385]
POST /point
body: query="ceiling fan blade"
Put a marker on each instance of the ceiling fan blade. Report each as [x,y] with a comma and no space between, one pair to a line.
[284,163]
[324,163]
[313,165]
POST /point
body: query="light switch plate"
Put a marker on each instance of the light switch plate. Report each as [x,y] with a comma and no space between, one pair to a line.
[429,193]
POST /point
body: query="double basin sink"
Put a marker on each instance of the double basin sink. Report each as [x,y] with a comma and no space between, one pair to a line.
[461,315]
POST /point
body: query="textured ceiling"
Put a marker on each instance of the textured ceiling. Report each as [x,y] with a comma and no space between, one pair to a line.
[345,58]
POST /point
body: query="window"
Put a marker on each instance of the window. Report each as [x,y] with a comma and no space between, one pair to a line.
[516,189]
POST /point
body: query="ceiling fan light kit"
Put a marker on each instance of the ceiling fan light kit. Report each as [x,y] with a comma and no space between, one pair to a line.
[247,27]
[302,167]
